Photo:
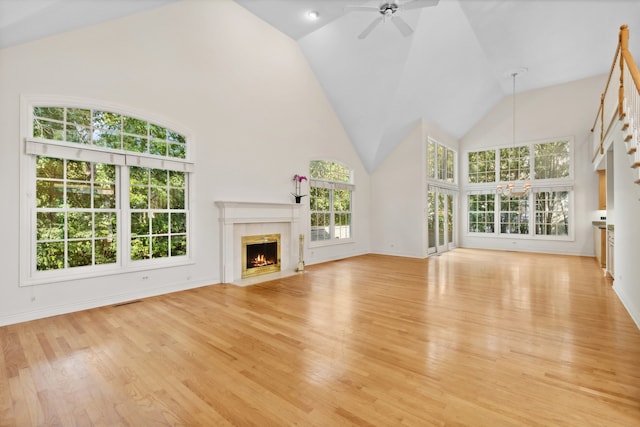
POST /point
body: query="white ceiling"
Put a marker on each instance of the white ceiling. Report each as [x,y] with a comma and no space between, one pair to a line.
[451,71]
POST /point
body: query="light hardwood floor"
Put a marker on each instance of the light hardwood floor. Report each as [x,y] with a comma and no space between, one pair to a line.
[470,338]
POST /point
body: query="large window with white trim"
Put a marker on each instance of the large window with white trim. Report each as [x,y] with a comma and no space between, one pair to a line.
[111,193]
[544,212]
[441,162]
[331,201]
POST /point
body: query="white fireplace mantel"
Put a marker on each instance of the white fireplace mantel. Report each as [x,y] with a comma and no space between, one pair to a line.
[238,218]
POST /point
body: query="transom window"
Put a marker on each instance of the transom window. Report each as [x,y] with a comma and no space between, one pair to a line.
[441,162]
[330,201]
[111,193]
[107,130]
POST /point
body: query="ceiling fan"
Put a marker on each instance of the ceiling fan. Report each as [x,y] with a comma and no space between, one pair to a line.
[389,9]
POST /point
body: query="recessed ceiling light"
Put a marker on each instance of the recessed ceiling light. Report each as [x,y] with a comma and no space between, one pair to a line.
[313,15]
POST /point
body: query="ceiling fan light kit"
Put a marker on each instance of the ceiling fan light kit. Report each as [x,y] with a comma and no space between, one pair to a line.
[388,10]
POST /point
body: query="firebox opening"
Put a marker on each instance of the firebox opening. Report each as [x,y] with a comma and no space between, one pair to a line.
[260,254]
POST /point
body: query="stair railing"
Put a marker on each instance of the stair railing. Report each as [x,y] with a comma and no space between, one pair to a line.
[626,106]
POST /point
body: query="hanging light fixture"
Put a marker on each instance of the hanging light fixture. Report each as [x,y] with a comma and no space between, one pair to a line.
[510,188]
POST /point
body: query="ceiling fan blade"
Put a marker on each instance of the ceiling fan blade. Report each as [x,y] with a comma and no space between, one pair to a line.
[418,4]
[370,27]
[402,25]
[361,9]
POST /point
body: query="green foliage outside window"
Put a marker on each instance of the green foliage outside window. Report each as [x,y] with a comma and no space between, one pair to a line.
[107,130]
[552,160]
[482,166]
[329,171]
[76,220]
[158,216]
[330,204]
[481,213]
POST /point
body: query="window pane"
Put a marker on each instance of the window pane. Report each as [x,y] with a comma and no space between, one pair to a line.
[56,113]
[514,163]
[139,224]
[329,171]
[431,159]
[552,213]
[514,215]
[48,130]
[178,245]
[107,121]
[136,144]
[481,213]
[79,116]
[160,246]
[104,196]
[50,226]
[178,222]
[135,126]
[140,248]
[78,195]
[139,197]
[80,253]
[106,251]
[79,224]
[50,255]
[552,160]
[160,223]
[79,134]
[105,224]
[431,219]
[482,166]
[49,194]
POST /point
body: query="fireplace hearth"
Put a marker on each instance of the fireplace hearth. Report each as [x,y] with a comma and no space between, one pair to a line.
[260,255]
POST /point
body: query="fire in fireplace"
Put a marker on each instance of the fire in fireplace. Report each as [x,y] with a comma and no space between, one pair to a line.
[260,254]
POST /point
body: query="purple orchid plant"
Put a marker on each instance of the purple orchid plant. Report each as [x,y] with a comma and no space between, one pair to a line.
[298,180]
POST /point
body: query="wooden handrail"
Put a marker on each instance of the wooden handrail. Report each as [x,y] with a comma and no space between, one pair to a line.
[628,58]
[622,56]
[606,87]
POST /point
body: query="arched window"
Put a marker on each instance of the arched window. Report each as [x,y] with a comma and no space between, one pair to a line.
[331,196]
[111,192]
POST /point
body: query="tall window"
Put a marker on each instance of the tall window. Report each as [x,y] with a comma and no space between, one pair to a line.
[441,162]
[481,213]
[76,213]
[331,191]
[545,212]
[514,214]
[110,190]
[552,213]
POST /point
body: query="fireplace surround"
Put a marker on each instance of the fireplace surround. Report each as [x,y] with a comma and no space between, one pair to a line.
[260,255]
[238,219]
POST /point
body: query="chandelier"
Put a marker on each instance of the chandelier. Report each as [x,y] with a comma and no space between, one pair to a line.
[510,189]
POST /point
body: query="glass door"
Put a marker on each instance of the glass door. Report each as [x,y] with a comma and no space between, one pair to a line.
[440,220]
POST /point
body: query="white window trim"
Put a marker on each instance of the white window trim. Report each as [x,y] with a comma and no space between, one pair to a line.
[73,151]
[332,185]
[555,184]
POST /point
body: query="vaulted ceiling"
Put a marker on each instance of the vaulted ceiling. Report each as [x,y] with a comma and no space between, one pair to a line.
[451,71]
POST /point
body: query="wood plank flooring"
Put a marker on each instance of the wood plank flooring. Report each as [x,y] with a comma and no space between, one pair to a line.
[469,338]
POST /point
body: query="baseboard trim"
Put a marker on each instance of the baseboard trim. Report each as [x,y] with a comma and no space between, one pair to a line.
[55,310]
[626,301]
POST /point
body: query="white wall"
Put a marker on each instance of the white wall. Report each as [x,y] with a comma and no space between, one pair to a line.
[566,110]
[625,219]
[398,216]
[255,111]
